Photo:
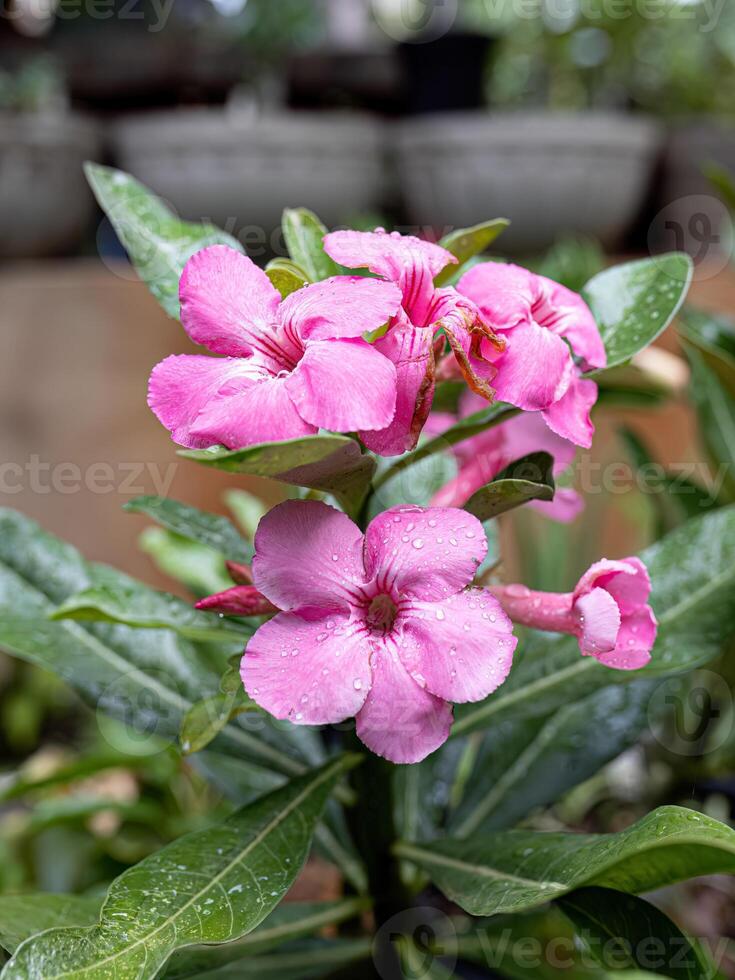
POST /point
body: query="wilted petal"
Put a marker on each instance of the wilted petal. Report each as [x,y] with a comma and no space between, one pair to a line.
[410,350]
[569,417]
[461,649]
[400,721]
[307,554]
[427,552]
[227,302]
[182,385]
[343,385]
[263,412]
[344,306]
[312,672]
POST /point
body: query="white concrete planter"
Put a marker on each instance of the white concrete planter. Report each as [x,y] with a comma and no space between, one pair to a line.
[586,173]
[240,170]
[45,203]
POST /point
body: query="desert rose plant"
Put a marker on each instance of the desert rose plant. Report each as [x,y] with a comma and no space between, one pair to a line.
[370,682]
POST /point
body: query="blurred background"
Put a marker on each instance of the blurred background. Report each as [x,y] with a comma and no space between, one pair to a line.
[603,129]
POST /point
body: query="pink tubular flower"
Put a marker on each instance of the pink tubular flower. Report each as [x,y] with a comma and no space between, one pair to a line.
[482,457]
[290,367]
[380,626]
[409,342]
[540,320]
[608,612]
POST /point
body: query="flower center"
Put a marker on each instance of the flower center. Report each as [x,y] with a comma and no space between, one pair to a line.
[381,613]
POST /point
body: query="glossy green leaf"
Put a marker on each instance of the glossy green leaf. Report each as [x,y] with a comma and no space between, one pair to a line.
[203,722]
[304,235]
[528,478]
[515,870]
[212,530]
[115,598]
[528,762]
[211,886]
[634,302]
[465,428]
[287,923]
[332,464]
[158,242]
[22,916]
[200,569]
[465,243]
[286,276]
[624,932]
[716,415]
[693,596]
[146,678]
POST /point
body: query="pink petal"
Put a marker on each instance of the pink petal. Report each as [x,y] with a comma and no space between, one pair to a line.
[635,641]
[343,385]
[460,649]
[344,306]
[385,254]
[536,369]
[504,293]
[400,721]
[183,384]
[627,580]
[569,417]
[312,672]
[264,412]
[226,300]
[426,552]
[599,622]
[308,554]
[571,318]
[240,600]
[410,350]
[566,506]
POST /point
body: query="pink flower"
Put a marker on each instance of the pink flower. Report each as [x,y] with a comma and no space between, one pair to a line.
[380,626]
[482,457]
[409,342]
[290,367]
[608,612]
[540,320]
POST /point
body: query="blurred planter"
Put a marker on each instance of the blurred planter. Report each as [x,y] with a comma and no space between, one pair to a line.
[693,217]
[240,170]
[45,204]
[586,173]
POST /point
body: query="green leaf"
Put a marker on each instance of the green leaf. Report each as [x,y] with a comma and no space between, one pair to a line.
[627,933]
[211,886]
[288,922]
[200,569]
[286,276]
[115,598]
[465,428]
[330,463]
[714,338]
[212,530]
[304,234]
[22,916]
[524,763]
[716,413]
[634,302]
[147,678]
[722,180]
[158,242]
[514,870]
[465,243]
[693,575]
[207,718]
[303,960]
[528,478]
[247,508]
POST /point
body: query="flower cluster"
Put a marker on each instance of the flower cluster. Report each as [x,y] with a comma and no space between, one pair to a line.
[389,626]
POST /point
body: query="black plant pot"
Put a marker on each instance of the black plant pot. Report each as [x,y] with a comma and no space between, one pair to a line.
[445,74]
